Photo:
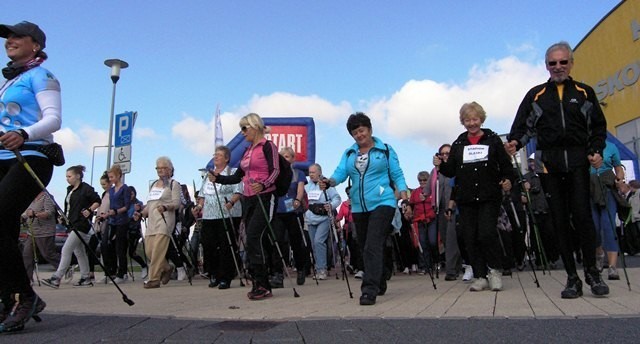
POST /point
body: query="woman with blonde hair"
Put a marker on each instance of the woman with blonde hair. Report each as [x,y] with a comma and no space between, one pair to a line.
[259,168]
[483,170]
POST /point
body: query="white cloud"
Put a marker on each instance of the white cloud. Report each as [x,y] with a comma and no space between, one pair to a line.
[427,111]
[281,104]
[69,140]
[145,133]
[422,111]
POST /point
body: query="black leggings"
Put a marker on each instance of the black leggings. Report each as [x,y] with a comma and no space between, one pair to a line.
[17,191]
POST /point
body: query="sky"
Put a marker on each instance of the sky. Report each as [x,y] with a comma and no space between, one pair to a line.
[409,65]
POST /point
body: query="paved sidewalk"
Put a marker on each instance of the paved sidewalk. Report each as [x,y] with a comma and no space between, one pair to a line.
[408,296]
[411,312]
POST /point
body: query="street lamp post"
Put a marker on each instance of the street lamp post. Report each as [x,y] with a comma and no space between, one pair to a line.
[116,65]
[92,158]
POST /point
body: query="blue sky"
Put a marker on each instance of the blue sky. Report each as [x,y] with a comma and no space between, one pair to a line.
[410,65]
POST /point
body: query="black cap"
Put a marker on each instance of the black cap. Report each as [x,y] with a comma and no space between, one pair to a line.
[25,28]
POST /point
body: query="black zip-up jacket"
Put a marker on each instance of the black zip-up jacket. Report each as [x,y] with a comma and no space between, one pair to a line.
[81,198]
[478,181]
[567,131]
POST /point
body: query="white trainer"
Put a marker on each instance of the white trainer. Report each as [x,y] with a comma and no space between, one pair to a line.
[144,273]
[495,280]
[359,274]
[182,274]
[468,273]
[479,284]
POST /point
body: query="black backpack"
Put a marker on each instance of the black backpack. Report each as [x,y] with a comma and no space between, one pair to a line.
[285,176]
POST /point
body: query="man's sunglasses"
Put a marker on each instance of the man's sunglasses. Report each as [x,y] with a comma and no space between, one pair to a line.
[553,63]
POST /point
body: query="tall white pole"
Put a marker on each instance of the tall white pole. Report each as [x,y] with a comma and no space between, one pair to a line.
[116,65]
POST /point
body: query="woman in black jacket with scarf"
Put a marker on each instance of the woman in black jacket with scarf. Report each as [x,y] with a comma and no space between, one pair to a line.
[482,169]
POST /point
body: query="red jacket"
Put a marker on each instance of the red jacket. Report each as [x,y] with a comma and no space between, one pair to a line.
[422,208]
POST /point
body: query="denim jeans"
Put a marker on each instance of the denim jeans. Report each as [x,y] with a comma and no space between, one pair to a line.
[319,233]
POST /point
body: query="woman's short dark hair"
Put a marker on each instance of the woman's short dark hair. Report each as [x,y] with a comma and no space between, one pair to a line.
[356,120]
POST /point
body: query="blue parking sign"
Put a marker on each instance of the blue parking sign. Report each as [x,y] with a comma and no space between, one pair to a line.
[124,129]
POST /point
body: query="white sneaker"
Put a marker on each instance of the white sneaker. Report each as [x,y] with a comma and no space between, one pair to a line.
[414,268]
[495,280]
[121,280]
[182,274]
[321,275]
[405,271]
[479,284]
[359,274]
[104,280]
[144,273]
[468,273]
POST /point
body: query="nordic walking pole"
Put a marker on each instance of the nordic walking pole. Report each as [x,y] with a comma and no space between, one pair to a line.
[226,230]
[613,228]
[61,213]
[430,269]
[238,240]
[312,259]
[273,234]
[178,252]
[543,254]
[35,253]
[530,252]
[624,263]
[340,247]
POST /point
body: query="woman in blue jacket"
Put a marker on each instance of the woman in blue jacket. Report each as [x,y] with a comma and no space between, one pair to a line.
[374,169]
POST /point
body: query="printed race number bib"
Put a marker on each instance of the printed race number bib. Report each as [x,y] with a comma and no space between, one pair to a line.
[155,194]
[475,153]
[314,195]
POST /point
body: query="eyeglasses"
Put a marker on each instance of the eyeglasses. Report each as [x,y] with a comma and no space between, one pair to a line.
[422,180]
[162,168]
[553,63]
[444,153]
[244,128]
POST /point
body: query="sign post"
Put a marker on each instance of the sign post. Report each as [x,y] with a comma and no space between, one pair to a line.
[123,138]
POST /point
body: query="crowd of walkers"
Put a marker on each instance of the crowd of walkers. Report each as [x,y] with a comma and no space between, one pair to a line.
[475,216]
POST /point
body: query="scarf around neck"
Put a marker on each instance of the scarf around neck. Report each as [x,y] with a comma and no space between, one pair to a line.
[12,69]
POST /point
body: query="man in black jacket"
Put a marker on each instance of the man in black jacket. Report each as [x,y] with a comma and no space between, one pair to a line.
[570,128]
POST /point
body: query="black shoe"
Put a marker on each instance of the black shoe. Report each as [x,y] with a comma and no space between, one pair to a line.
[213,282]
[277,280]
[573,289]
[506,272]
[383,288]
[450,277]
[367,300]
[301,278]
[593,279]
[224,285]
[25,308]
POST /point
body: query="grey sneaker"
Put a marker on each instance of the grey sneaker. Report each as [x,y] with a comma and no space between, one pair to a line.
[122,279]
[53,282]
[613,274]
[84,282]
